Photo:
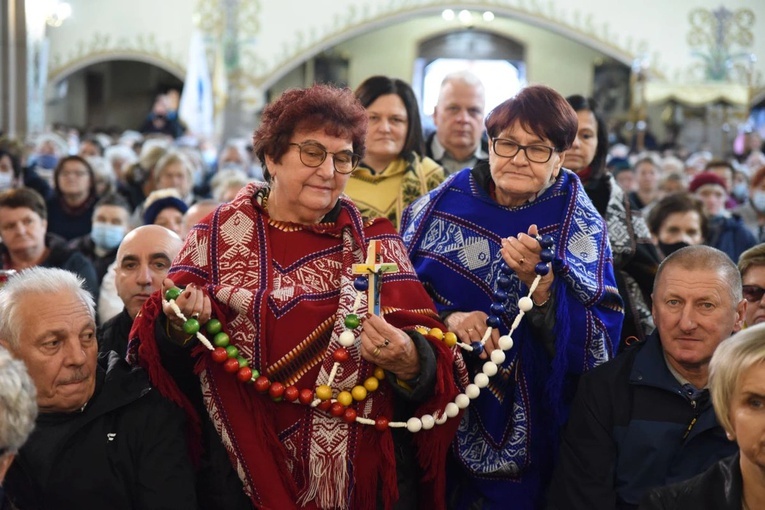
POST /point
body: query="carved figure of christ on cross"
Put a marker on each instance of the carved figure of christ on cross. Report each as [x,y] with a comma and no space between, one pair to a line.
[374,267]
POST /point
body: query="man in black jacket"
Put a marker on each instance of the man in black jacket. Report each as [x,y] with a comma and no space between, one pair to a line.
[142,262]
[104,438]
[644,419]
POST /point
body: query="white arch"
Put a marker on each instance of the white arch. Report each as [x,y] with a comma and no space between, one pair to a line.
[280,69]
[98,57]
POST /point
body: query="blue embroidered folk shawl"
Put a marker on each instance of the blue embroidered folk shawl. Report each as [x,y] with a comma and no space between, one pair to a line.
[508,438]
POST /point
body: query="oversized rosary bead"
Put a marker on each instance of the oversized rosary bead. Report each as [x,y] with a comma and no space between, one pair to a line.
[525,304]
[361,283]
[191,326]
[346,338]
[481,380]
[172,293]
[498,356]
[413,424]
[213,327]
[427,421]
[505,342]
[352,321]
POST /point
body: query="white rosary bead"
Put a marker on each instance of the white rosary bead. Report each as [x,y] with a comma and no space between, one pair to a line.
[452,409]
[498,356]
[461,401]
[414,424]
[427,421]
[525,304]
[505,342]
[481,380]
[472,391]
[346,338]
[490,368]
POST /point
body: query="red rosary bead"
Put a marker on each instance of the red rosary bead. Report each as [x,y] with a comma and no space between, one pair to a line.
[291,393]
[231,365]
[305,396]
[276,390]
[341,355]
[244,374]
[262,384]
[381,423]
[349,415]
[325,405]
[337,409]
[219,355]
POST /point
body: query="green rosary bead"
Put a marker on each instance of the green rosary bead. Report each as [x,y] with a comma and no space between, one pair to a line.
[213,326]
[232,351]
[172,293]
[352,321]
[221,339]
[191,326]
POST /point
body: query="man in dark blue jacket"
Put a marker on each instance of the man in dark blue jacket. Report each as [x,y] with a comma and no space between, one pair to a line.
[644,419]
[104,438]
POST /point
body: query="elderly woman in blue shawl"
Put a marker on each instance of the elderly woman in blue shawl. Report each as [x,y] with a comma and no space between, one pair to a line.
[458,237]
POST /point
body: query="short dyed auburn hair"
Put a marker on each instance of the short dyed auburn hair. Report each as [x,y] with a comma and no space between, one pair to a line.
[333,109]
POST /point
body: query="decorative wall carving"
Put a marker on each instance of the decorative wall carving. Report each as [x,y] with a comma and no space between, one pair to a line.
[100,47]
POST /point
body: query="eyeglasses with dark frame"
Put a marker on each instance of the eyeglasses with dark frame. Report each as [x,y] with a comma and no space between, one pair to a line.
[313,154]
[509,149]
[752,293]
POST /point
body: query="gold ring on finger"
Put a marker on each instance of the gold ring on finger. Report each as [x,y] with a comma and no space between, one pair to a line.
[376,351]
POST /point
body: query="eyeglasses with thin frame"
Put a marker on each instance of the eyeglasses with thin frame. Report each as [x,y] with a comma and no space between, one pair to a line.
[752,293]
[313,154]
[509,149]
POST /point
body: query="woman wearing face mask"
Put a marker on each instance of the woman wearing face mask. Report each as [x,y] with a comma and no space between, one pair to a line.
[677,221]
[753,211]
[111,221]
[9,170]
[70,209]
[635,256]
[394,171]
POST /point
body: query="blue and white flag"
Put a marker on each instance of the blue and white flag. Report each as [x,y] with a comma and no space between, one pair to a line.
[196,108]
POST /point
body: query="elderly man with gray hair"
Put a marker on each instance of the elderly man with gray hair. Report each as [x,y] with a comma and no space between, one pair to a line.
[104,438]
[458,116]
[18,411]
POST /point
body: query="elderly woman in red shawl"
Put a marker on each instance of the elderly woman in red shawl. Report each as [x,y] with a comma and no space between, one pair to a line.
[305,389]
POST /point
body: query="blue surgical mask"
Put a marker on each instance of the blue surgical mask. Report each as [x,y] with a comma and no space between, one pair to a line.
[106,236]
[758,201]
[6,180]
[47,161]
[740,191]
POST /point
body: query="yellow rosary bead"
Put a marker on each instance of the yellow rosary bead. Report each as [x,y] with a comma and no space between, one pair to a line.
[437,333]
[372,383]
[421,330]
[379,373]
[450,339]
[345,398]
[359,393]
[323,392]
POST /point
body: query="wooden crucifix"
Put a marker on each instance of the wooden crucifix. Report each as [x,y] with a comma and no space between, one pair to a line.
[374,267]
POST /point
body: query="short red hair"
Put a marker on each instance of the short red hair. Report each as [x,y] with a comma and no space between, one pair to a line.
[333,109]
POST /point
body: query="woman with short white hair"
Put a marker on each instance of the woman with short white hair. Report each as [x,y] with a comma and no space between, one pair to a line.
[18,411]
[737,388]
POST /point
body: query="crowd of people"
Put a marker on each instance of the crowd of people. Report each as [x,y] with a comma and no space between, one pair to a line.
[350,313]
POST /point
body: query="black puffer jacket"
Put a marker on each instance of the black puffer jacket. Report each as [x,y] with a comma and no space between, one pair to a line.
[125,451]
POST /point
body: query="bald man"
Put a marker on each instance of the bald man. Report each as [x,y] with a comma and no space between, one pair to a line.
[142,262]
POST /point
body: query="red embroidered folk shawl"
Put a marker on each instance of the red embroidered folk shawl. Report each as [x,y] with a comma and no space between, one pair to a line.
[282,292]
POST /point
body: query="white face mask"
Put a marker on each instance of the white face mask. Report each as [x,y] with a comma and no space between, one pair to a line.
[758,201]
[6,180]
